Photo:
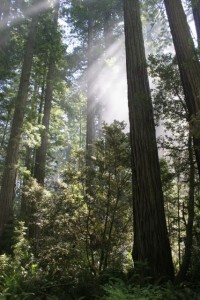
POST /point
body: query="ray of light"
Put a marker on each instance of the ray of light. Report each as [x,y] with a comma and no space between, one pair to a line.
[29,12]
[109,87]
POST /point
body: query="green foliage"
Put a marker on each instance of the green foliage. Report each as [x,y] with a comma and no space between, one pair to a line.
[195,125]
[19,273]
[82,236]
[167,177]
[118,290]
[168,99]
[87,231]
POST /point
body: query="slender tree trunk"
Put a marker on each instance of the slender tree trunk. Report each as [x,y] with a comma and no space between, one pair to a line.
[189,228]
[24,201]
[151,243]
[41,152]
[90,134]
[188,63]
[179,221]
[10,169]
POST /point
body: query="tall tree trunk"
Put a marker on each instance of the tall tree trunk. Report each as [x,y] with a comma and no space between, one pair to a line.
[90,134]
[189,228]
[11,161]
[188,63]
[151,243]
[41,152]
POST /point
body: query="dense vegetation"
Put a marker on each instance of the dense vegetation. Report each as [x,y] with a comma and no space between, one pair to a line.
[95,204]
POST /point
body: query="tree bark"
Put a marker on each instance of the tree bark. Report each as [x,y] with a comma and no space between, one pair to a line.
[188,63]
[41,152]
[11,161]
[151,243]
[189,228]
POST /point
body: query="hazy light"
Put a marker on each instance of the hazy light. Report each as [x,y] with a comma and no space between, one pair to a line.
[33,10]
[109,86]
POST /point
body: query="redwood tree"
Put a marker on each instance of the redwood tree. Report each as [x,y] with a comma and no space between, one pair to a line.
[90,132]
[151,243]
[41,152]
[9,175]
[189,66]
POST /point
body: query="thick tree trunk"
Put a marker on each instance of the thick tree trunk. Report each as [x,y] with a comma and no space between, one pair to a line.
[10,169]
[189,229]
[151,242]
[188,63]
[41,152]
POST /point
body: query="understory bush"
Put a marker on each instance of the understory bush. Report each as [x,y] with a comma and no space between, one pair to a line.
[118,290]
[19,272]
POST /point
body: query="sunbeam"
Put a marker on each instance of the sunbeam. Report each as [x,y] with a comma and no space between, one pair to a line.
[109,87]
[13,19]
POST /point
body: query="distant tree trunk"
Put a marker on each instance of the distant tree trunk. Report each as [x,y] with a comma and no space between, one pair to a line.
[188,63]
[11,161]
[189,228]
[4,18]
[105,71]
[5,128]
[90,134]
[41,152]
[196,15]
[28,164]
[151,243]
[178,219]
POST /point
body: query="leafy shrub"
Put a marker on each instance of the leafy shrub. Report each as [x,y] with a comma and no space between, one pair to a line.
[118,290]
[18,273]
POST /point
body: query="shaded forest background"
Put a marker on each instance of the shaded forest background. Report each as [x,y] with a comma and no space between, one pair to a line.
[100,149]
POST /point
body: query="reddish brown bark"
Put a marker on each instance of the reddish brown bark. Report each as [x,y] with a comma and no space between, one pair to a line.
[188,62]
[151,242]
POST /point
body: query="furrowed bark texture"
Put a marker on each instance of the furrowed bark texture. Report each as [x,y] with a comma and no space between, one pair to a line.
[188,62]
[11,161]
[151,242]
